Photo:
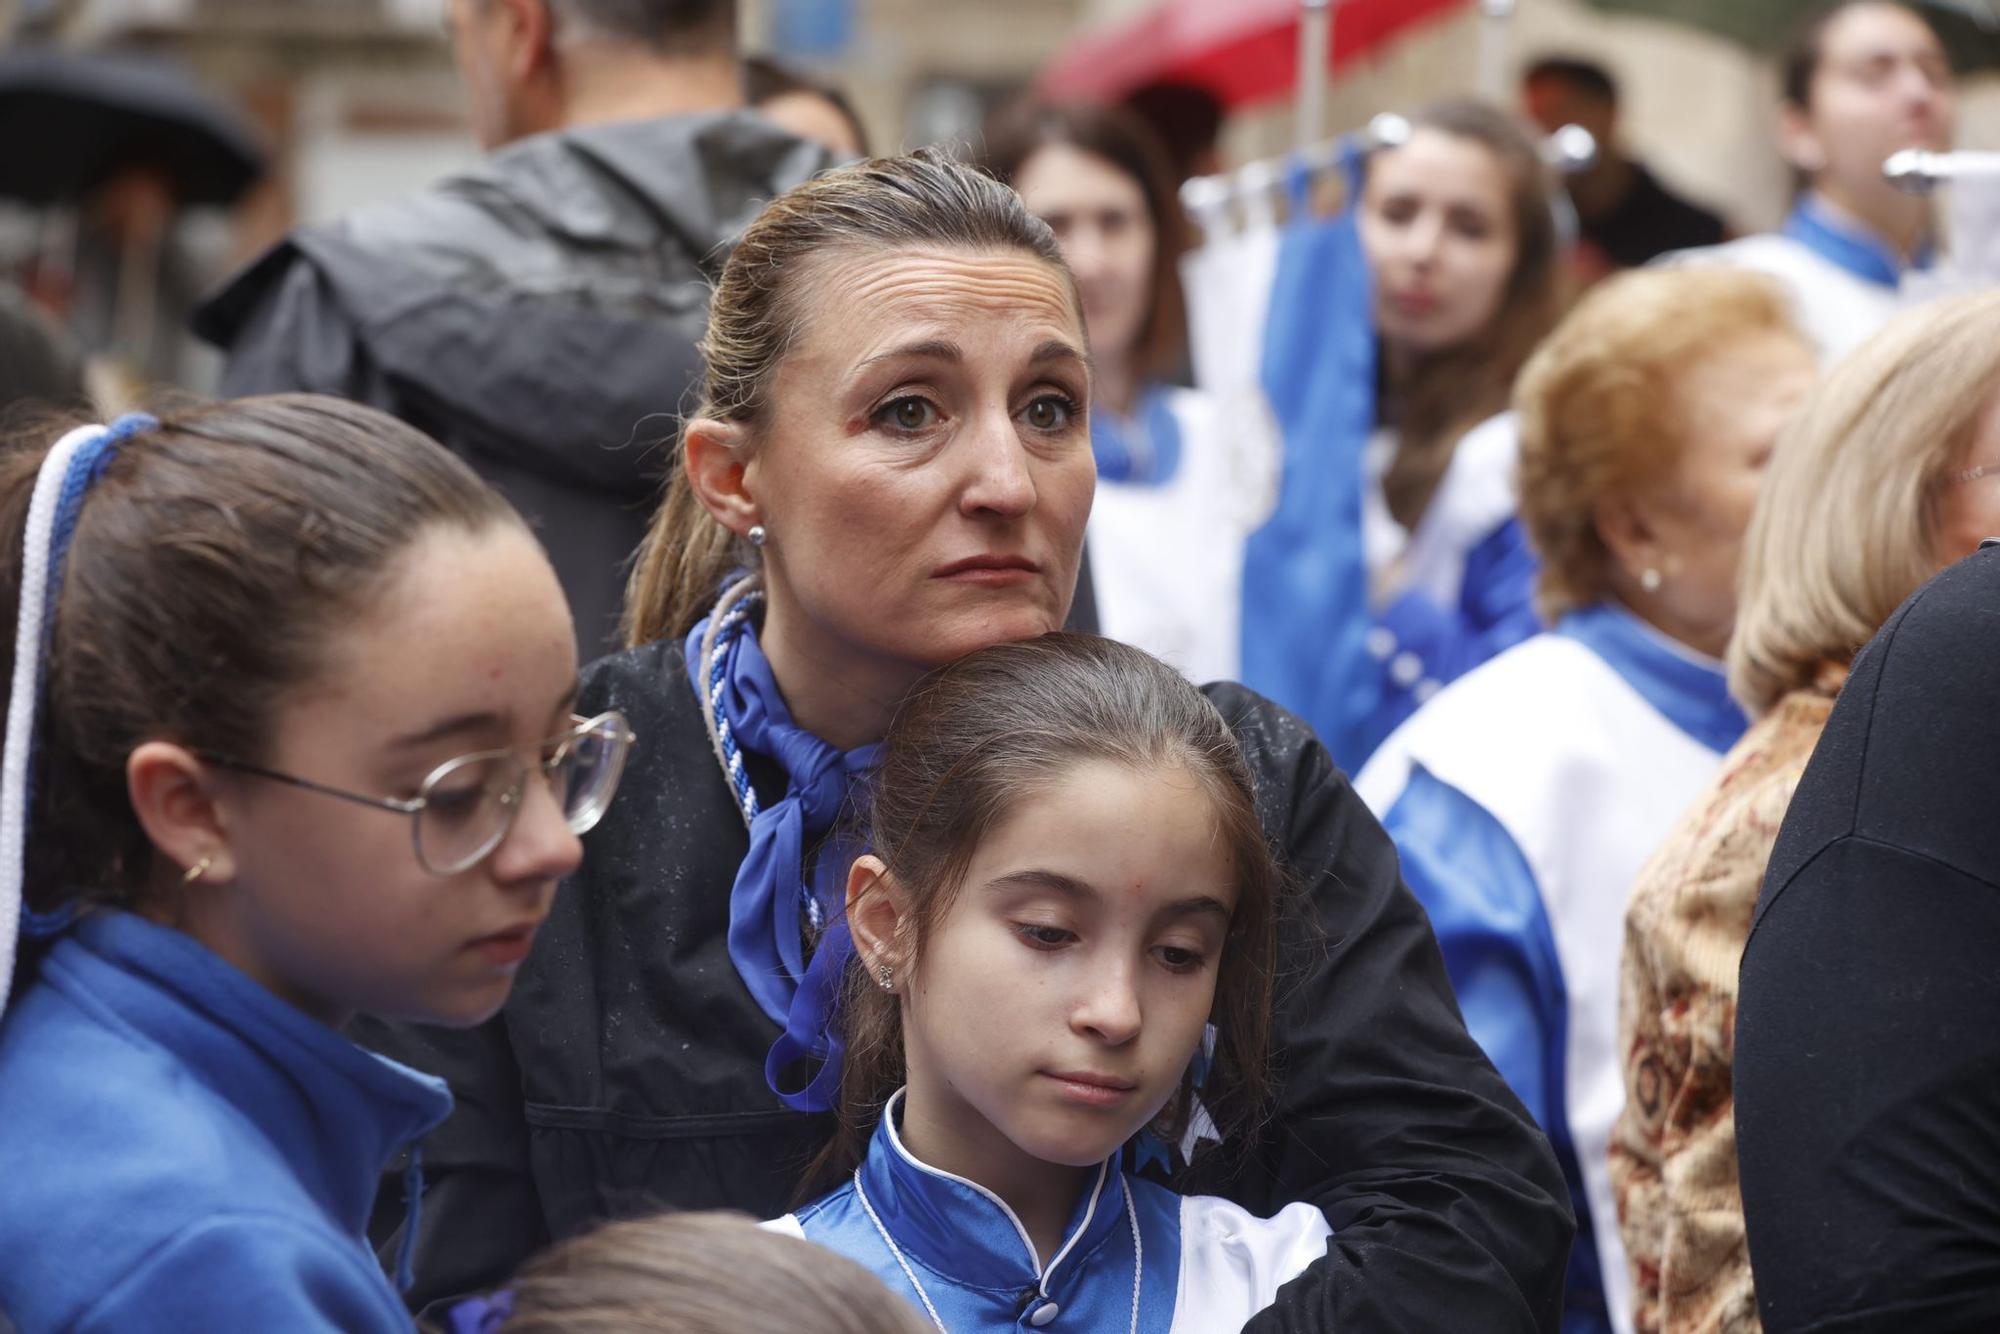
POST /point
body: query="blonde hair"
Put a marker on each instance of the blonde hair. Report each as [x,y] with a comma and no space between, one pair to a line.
[923,201]
[700,1273]
[1600,406]
[1844,527]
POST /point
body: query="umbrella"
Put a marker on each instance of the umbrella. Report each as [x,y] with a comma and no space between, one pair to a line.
[1243,51]
[70,120]
[1970,28]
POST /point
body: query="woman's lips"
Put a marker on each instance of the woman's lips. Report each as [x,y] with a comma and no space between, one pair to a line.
[990,571]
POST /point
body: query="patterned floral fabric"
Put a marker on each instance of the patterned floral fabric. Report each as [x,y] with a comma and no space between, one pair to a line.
[1673,1151]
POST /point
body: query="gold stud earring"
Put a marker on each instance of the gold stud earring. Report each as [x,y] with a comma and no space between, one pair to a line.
[197,871]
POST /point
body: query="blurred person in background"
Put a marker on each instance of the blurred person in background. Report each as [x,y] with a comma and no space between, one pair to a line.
[39,366]
[1625,215]
[1886,478]
[539,314]
[1182,476]
[1187,119]
[808,107]
[1863,80]
[1457,234]
[1525,796]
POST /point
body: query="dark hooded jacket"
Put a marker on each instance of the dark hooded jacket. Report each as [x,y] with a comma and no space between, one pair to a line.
[626,1073]
[1868,1030]
[538,315]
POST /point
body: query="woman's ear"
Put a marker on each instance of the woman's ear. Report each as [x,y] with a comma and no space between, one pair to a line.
[877,916]
[171,793]
[1628,532]
[712,454]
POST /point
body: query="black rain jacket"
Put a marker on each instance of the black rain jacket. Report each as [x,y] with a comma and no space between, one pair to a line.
[626,1072]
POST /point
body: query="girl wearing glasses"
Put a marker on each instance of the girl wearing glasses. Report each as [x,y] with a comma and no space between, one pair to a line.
[289,738]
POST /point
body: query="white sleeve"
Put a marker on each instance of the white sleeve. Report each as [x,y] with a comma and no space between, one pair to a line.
[1233,1262]
[788,1225]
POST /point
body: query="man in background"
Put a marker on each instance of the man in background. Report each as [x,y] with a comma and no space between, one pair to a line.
[539,314]
[1625,216]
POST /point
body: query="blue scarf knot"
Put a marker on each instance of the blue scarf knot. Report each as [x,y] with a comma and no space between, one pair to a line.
[770,904]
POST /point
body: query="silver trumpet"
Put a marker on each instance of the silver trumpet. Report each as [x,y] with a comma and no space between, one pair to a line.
[1919,171]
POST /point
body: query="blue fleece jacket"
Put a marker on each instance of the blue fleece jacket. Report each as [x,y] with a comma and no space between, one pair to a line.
[180,1149]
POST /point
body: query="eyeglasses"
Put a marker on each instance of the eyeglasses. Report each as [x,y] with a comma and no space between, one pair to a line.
[465,807]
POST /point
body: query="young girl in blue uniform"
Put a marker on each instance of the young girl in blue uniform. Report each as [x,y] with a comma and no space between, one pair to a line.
[1066,922]
[289,737]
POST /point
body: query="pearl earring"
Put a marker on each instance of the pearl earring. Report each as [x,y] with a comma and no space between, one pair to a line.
[758,534]
[1649,579]
[197,871]
[885,976]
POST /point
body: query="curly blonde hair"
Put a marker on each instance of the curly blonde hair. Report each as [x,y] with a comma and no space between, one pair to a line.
[1599,406]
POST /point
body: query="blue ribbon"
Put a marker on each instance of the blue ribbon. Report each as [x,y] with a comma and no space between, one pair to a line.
[770,903]
[482,1315]
[86,465]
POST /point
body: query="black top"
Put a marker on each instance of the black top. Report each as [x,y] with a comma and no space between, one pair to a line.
[538,315]
[1649,221]
[626,1072]
[1868,1034]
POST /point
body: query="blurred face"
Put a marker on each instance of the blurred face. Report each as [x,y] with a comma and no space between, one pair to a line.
[812,117]
[1099,214]
[1440,239]
[1054,1008]
[1553,103]
[468,648]
[924,470]
[1883,84]
[1734,404]
[1969,509]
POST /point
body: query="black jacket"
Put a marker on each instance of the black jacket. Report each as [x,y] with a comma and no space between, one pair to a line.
[1868,1030]
[538,315]
[626,1072]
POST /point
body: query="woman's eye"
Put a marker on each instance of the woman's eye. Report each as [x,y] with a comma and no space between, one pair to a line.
[907,414]
[1043,937]
[1050,413]
[1180,959]
[454,802]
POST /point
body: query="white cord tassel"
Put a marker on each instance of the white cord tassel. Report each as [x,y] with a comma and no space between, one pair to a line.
[26,692]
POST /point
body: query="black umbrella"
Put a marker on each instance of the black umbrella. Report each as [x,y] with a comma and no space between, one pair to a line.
[70,120]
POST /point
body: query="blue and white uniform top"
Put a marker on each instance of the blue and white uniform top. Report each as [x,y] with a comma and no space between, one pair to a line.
[1135,1256]
[1524,800]
[1846,282]
[1181,483]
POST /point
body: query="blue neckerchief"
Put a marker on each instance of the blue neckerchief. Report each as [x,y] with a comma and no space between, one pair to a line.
[1851,247]
[1305,609]
[767,909]
[1689,690]
[1143,449]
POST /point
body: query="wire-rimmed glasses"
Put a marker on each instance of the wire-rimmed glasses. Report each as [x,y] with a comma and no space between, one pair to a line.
[465,807]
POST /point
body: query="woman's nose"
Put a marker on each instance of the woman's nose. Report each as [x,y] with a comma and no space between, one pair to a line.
[540,846]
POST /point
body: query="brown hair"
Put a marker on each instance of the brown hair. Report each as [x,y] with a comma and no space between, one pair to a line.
[1449,392]
[1119,137]
[700,1273]
[1600,405]
[1799,62]
[767,78]
[1845,524]
[998,724]
[211,563]
[763,302]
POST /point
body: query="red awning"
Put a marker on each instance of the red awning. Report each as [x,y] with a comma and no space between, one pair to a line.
[1243,51]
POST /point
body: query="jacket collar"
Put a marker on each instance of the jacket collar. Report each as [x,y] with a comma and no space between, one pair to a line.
[965,1232]
[336,1112]
[1847,244]
[1688,688]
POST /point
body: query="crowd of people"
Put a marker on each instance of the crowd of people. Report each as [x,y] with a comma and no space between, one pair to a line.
[718,733]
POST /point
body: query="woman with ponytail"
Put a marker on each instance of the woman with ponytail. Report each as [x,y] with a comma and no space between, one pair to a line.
[289,738]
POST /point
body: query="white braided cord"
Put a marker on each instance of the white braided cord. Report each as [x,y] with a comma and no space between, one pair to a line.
[26,692]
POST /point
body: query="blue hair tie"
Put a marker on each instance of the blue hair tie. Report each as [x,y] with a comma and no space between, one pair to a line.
[86,465]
